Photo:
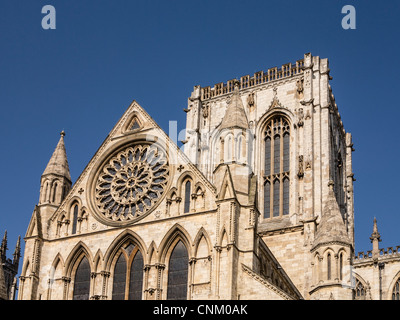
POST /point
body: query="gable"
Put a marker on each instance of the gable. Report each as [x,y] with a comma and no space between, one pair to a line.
[132,171]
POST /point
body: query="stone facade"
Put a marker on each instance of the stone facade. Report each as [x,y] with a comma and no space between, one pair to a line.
[257,205]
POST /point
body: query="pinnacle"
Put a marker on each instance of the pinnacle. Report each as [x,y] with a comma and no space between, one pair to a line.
[375,234]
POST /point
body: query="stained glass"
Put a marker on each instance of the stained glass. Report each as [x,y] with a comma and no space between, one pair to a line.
[82,281]
[178,273]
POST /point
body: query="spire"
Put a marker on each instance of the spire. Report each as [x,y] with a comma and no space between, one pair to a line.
[331,226]
[58,163]
[235,116]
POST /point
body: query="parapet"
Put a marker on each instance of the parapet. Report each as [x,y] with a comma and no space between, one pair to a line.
[286,71]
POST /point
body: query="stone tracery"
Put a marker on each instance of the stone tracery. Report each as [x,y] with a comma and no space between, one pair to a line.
[131,182]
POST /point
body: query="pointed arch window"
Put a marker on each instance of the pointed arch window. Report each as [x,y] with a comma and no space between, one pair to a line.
[45,191]
[276,167]
[228,149]
[396,290]
[329,266]
[359,290]
[178,273]
[188,187]
[128,274]
[341,266]
[136,277]
[55,187]
[75,218]
[119,282]
[82,280]
[239,148]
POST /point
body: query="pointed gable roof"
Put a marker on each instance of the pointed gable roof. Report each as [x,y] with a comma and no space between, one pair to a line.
[121,132]
[235,115]
[58,163]
[331,227]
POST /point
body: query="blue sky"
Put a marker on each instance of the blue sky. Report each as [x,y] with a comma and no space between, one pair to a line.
[82,76]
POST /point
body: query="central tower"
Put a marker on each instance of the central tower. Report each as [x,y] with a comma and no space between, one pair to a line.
[283,128]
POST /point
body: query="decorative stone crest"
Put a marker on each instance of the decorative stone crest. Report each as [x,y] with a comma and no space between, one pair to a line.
[299,87]
[250,100]
[275,101]
[206,109]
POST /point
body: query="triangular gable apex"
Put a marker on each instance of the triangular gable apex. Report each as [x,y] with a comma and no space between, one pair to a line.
[117,131]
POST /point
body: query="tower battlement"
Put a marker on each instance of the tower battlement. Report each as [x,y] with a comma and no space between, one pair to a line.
[383,253]
[286,71]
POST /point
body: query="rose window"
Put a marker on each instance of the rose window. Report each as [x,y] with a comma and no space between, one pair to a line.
[131,182]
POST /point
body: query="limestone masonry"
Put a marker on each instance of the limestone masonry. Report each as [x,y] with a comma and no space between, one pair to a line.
[257,204]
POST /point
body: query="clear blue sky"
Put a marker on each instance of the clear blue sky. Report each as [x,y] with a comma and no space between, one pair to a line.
[82,76]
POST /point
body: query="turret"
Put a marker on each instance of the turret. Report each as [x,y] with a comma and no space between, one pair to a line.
[56,178]
[332,252]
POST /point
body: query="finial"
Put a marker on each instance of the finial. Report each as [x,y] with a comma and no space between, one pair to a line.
[62,133]
[375,234]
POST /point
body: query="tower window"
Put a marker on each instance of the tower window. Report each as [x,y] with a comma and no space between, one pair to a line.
[329,266]
[341,266]
[276,167]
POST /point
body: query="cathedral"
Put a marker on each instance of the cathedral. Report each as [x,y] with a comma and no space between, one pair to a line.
[257,204]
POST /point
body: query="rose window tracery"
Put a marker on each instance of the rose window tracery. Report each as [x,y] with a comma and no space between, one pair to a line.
[131,182]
